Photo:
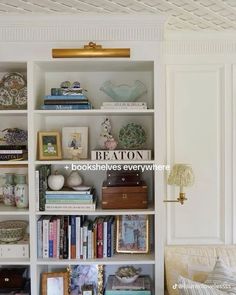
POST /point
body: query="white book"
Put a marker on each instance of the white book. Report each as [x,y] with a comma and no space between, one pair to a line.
[12,152]
[69,241]
[70,207]
[85,241]
[105,238]
[123,107]
[121,155]
[89,254]
[37,190]
[46,222]
[19,249]
[70,192]
[40,237]
[124,103]
[77,236]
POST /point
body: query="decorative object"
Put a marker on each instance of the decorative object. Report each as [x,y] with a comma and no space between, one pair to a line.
[90,50]
[56,181]
[65,84]
[15,136]
[132,136]
[87,275]
[8,190]
[55,283]
[74,179]
[132,234]
[13,91]
[21,191]
[12,230]
[181,175]
[127,274]
[124,92]
[49,146]
[75,138]
[106,140]
[87,290]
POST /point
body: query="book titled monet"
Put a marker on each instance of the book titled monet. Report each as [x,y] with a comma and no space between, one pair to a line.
[119,155]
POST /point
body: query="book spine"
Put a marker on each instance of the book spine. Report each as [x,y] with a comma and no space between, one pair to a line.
[7,157]
[45,238]
[66,107]
[66,102]
[105,238]
[95,239]
[73,193]
[65,238]
[68,201]
[72,197]
[58,238]
[11,152]
[81,242]
[54,237]
[40,238]
[109,237]
[65,97]
[71,207]
[100,238]
[61,252]
[13,147]
[69,238]
[73,237]
[89,254]
[37,190]
[123,107]
[108,103]
[85,241]
[112,155]
[77,233]
[50,239]
[14,251]
[112,236]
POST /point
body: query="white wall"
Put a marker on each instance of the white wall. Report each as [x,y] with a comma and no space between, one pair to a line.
[200,95]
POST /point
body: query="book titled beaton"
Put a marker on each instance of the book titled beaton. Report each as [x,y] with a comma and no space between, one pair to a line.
[114,155]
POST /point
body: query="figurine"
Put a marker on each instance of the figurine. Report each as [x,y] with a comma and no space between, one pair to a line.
[106,140]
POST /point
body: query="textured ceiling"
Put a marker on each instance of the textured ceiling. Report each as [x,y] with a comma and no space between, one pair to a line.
[184,14]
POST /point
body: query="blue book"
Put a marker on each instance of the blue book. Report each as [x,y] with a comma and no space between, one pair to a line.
[66,107]
[109,236]
[50,239]
[71,197]
[73,236]
[65,97]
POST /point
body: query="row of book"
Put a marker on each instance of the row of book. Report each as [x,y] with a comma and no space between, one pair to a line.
[13,152]
[124,106]
[75,237]
[66,102]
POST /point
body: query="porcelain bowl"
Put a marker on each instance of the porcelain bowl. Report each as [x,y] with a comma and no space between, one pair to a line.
[12,230]
[127,280]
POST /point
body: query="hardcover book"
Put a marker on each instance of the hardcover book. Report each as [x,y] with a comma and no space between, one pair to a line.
[19,249]
[119,155]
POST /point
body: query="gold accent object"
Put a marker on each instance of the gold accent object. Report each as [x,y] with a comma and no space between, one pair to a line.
[47,276]
[180,199]
[91,50]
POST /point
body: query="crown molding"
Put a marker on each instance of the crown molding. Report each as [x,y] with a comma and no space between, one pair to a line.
[68,28]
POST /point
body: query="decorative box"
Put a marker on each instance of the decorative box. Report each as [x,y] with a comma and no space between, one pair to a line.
[124,197]
[123,178]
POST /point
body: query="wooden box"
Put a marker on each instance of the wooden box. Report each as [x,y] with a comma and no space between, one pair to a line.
[124,197]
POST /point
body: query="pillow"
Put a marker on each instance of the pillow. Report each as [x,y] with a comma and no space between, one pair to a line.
[222,277]
[189,287]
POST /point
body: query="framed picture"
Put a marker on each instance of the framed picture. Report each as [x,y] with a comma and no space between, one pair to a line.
[55,283]
[83,276]
[132,234]
[49,145]
[75,139]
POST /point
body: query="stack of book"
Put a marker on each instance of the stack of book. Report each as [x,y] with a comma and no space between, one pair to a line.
[141,286]
[18,249]
[66,99]
[70,200]
[124,106]
[13,152]
[75,237]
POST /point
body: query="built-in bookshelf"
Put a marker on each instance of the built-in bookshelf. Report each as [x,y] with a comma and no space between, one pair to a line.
[41,77]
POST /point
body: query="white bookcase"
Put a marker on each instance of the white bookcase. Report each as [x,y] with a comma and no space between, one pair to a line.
[43,75]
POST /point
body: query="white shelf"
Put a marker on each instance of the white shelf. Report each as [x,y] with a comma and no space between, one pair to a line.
[149,211]
[10,210]
[9,163]
[86,162]
[117,259]
[93,112]
[13,112]
[15,261]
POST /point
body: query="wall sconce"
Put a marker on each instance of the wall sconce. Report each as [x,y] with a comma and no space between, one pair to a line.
[183,176]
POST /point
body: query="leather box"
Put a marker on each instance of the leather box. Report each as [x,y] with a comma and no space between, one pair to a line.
[124,197]
[12,278]
[123,178]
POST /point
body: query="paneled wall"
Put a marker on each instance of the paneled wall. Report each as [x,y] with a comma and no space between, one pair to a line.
[199,124]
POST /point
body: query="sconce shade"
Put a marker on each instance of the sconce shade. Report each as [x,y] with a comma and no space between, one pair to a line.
[181,175]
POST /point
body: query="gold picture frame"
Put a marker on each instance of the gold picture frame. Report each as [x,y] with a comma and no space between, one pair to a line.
[132,234]
[55,283]
[49,145]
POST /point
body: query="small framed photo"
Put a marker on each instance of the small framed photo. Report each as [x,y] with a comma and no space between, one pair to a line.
[55,283]
[132,234]
[75,139]
[86,279]
[49,145]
